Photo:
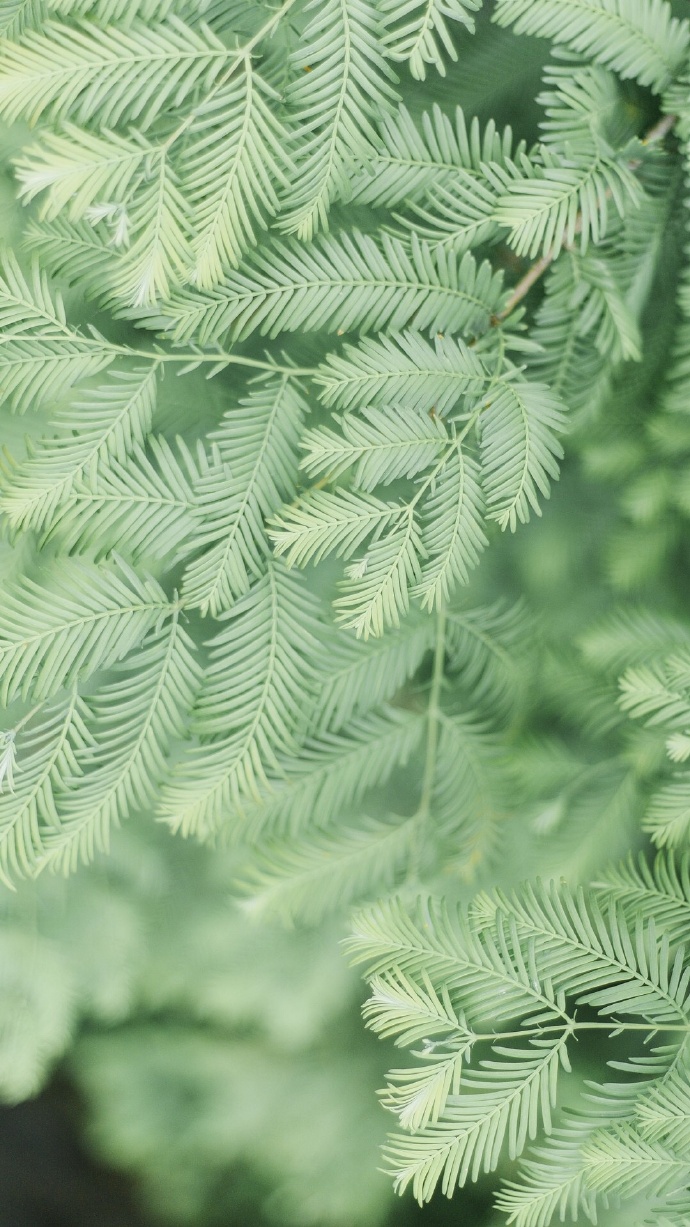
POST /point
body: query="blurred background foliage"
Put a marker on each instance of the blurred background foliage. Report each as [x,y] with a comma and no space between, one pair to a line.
[220,1063]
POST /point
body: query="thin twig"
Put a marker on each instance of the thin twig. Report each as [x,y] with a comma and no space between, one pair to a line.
[655,134]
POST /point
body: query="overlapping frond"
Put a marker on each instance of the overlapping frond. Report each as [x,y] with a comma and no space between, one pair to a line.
[155,241]
[75,168]
[426,546]
[234,163]
[664,1112]
[107,425]
[487,647]
[410,160]
[256,471]
[616,970]
[111,74]
[376,591]
[133,722]
[436,981]
[417,32]
[339,284]
[143,509]
[620,1161]
[566,199]
[333,773]
[256,695]
[331,523]
[357,676]
[343,84]
[660,891]
[41,356]
[49,750]
[77,619]
[75,249]
[510,1095]
[636,38]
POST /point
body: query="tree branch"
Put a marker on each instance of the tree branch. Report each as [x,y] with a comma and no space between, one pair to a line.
[657,133]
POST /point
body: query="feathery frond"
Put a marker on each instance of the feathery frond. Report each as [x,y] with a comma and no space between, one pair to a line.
[255,473]
[409,162]
[660,891]
[306,880]
[453,536]
[486,646]
[252,703]
[79,618]
[339,284]
[42,356]
[143,509]
[432,976]
[358,676]
[568,198]
[380,445]
[636,38]
[519,449]
[343,85]
[108,425]
[332,775]
[403,369]
[76,168]
[376,592]
[111,74]
[417,32]
[133,723]
[49,751]
[233,165]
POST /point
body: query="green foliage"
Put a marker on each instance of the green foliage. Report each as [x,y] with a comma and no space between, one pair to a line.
[315,307]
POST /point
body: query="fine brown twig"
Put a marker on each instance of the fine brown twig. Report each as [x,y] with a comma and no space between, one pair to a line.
[655,134]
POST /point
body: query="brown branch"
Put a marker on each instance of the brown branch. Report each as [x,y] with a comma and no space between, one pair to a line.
[655,134]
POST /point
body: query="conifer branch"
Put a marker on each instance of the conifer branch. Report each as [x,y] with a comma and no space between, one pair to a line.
[655,135]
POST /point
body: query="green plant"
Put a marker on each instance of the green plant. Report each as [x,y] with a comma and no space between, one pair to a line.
[277,576]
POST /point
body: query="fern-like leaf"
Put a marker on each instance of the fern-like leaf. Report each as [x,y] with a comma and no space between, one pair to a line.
[49,751]
[134,722]
[110,74]
[257,444]
[109,424]
[233,165]
[343,86]
[519,449]
[635,39]
[378,586]
[453,536]
[403,370]
[77,619]
[380,445]
[252,703]
[42,356]
[344,283]
[417,32]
